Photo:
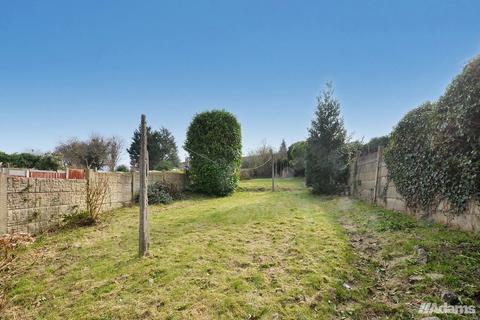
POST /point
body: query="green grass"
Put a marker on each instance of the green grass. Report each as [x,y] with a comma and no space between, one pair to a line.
[291,184]
[254,255]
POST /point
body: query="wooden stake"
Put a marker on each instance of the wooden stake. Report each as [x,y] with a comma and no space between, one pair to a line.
[143,240]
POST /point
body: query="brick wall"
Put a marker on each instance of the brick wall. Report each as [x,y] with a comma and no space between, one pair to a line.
[33,205]
[368,181]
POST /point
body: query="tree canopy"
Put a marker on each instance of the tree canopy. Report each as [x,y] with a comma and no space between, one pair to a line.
[161,146]
[296,157]
[45,161]
[92,153]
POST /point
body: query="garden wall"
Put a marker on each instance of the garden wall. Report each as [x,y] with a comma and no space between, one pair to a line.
[35,204]
[368,181]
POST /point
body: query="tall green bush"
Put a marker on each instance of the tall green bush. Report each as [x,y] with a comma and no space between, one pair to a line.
[214,144]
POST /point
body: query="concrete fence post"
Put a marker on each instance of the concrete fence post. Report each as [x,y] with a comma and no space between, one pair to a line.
[3,204]
[376,191]
[132,187]
[353,176]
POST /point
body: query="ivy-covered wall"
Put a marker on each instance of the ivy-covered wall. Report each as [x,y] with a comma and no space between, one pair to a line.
[366,179]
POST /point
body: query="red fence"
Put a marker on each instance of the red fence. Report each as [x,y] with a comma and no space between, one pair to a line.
[47,174]
[76,174]
[43,174]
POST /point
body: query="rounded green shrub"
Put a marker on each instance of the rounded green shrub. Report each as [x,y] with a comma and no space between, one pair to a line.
[411,160]
[214,144]
[122,168]
[159,193]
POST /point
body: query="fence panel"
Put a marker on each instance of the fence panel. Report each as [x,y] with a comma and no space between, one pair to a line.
[42,174]
[76,174]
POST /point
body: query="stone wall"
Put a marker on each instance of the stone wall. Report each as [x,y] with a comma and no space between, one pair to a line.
[368,181]
[119,189]
[33,204]
[175,178]
[3,204]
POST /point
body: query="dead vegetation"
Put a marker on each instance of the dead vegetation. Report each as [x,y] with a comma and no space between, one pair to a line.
[97,191]
[9,242]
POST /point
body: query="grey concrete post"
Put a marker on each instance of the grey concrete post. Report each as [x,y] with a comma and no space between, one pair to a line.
[353,176]
[3,204]
[377,174]
[132,187]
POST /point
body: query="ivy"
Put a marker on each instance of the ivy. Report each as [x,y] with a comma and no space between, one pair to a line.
[434,151]
[410,158]
[457,139]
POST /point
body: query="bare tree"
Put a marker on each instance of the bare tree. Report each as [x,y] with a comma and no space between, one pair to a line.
[98,148]
[115,152]
[74,153]
[258,157]
[94,153]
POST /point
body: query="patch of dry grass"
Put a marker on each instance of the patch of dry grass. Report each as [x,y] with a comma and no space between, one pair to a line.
[252,255]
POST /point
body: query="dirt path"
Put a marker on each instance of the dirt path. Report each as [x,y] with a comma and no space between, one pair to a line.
[395,270]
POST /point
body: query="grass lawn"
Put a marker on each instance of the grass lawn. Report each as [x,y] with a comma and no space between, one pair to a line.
[254,255]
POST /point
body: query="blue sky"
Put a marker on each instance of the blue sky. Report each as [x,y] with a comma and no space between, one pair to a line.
[70,68]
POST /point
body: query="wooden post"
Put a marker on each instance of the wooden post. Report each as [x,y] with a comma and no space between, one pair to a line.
[377,173]
[273,171]
[143,240]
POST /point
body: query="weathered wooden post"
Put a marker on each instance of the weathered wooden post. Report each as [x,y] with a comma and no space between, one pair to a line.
[143,240]
[273,171]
